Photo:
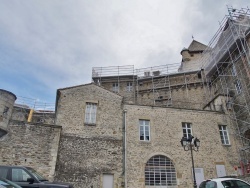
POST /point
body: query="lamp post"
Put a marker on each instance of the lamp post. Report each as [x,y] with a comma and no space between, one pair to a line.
[191,143]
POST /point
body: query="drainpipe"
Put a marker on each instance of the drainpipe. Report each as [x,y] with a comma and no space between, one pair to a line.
[125,146]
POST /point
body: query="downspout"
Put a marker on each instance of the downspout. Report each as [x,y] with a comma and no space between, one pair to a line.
[125,147]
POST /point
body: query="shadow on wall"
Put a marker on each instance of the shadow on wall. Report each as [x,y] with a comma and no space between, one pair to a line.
[2,132]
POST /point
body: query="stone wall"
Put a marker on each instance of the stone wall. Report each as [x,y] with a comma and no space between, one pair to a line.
[43,117]
[182,90]
[166,133]
[21,113]
[31,145]
[129,96]
[83,161]
[89,151]
[190,55]
[71,111]
[190,60]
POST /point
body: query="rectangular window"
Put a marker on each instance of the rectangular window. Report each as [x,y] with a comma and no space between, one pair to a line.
[238,86]
[129,86]
[233,70]
[224,134]
[115,87]
[187,130]
[144,130]
[90,113]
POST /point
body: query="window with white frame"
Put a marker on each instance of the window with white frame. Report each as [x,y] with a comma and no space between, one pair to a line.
[115,87]
[238,86]
[186,129]
[90,113]
[224,134]
[144,130]
[129,86]
[160,172]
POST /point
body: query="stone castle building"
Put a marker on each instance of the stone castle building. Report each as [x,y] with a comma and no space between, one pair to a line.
[124,128]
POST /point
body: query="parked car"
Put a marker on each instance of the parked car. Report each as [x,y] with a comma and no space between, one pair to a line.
[4,183]
[28,177]
[224,183]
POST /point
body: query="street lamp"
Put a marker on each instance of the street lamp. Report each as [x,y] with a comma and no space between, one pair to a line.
[191,143]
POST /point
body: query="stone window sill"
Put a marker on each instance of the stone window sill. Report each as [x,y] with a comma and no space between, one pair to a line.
[145,141]
[226,145]
[89,124]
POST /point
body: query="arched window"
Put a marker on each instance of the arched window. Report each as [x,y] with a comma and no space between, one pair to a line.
[160,171]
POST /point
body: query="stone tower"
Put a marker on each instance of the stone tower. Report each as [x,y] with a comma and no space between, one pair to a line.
[7,100]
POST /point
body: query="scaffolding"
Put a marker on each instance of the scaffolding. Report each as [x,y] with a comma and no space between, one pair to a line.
[160,87]
[226,67]
[224,71]
[152,85]
[32,111]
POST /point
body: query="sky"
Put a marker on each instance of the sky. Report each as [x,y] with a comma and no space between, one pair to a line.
[50,44]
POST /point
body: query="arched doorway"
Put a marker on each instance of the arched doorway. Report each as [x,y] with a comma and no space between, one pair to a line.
[160,172]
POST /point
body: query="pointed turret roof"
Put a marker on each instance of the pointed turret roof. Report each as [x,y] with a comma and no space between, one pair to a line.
[196,46]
